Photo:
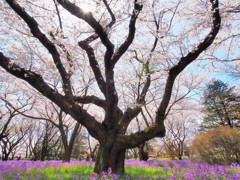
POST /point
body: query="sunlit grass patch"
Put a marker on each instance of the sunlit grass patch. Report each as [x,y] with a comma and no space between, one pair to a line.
[145,173]
[66,172]
[51,172]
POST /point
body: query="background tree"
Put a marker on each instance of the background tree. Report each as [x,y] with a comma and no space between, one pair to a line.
[47,111]
[13,141]
[181,126]
[49,141]
[218,146]
[5,122]
[36,143]
[33,136]
[80,146]
[13,127]
[220,105]
[8,114]
[50,54]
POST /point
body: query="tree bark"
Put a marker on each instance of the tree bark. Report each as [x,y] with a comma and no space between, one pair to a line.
[4,158]
[44,153]
[67,154]
[110,158]
[143,155]
[237,158]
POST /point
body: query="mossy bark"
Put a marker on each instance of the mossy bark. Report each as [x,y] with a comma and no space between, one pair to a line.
[110,157]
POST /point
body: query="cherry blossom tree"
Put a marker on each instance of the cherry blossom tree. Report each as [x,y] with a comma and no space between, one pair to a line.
[181,127]
[65,124]
[48,41]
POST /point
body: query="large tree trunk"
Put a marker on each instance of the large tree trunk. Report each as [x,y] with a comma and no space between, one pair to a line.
[110,158]
[111,155]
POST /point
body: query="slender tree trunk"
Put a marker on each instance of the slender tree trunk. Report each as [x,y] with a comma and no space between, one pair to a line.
[43,155]
[237,158]
[143,155]
[67,154]
[94,152]
[44,152]
[26,154]
[4,158]
[36,153]
[5,152]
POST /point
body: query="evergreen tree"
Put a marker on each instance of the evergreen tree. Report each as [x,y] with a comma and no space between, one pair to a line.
[221,106]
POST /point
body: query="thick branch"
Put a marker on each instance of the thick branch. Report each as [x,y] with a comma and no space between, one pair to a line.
[31,77]
[74,134]
[130,113]
[88,18]
[95,128]
[158,129]
[185,61]
[33,25]
[145,118]
[61,128]
[91,99]
[131,34]
[134,140]
[127,117]
[111,14]
[141,97]
[90,52]
[94,65]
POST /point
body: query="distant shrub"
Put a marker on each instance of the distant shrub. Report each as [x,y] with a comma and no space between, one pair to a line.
[219,146]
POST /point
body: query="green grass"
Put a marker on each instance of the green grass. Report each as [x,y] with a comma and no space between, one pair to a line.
[53,173]
[77,171]
[85,171]
[135,172]
[67,172]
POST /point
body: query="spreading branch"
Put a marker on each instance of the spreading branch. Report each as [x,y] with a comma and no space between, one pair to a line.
[131,34]
[33,25]
[189,58]
[89,19]
[157,129]
[36,81]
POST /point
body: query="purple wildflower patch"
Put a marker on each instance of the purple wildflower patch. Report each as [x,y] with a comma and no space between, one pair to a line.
[174,170]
